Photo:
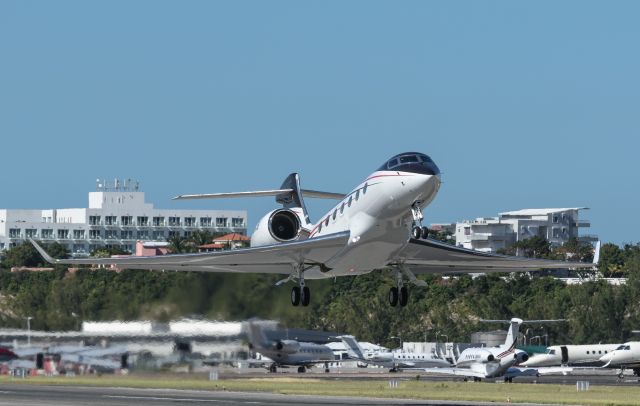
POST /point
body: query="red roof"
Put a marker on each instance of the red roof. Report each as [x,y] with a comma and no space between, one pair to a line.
[232,237]
[211,246]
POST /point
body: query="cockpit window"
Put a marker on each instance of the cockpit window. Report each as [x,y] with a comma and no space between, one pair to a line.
[411,162]
[623,347]
[551,352]
[408,159]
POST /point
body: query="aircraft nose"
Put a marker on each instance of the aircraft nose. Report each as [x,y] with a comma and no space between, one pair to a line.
[607,357]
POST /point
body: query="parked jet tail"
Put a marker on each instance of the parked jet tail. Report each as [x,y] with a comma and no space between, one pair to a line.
[514,328]
[255,333]
[353,347]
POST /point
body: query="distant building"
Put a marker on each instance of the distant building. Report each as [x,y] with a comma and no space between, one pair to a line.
[117,217]
[492,233]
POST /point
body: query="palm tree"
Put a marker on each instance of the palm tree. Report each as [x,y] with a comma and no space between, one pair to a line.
[201,237]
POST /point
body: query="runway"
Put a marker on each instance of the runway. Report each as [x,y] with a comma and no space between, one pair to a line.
[36,395]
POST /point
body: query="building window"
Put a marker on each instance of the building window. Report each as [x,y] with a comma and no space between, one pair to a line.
[110,234]
[80,248]
[110,220]
[94,234]
[126,235]
[205,221]
[174,221]
[555,218]
[221,221]
[190,221]
[237,222]
[142,221]
[126,220]
[174,234]
[31,232]
[78,234]
[158,221]
[94,220]
[187,234]
[47,233]
[158,235]
[63,234]
[14,233]
[143,235]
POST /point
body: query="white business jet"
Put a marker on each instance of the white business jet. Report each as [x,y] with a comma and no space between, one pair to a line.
[495,362]
[376,226]
[627,355]
[574,355]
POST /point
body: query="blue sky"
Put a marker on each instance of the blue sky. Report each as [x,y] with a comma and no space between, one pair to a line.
[521,104]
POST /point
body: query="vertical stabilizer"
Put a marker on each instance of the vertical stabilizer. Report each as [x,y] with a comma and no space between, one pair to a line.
[353,348]
[255,333]
[512,334]
[294,198]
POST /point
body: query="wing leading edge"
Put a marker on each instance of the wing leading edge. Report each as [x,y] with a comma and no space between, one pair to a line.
[431,256]
[266,259]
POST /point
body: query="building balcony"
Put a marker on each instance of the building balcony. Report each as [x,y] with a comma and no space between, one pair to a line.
[588,238]
[582,223]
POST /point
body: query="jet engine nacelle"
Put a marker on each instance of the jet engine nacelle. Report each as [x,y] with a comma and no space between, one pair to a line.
[287,346]
[278,226]
[486,356]
[521,357]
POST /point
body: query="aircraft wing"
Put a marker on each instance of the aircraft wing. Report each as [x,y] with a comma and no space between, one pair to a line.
[275,259]
[431,256]
[454,371]
[518,371]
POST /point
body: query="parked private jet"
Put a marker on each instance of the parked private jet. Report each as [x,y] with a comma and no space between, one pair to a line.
[376,226]
[573,355]
[495,362]
[285,353]
[627,355]
[394,360]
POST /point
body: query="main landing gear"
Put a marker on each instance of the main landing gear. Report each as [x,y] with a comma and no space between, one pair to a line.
[300,295]
[399,294]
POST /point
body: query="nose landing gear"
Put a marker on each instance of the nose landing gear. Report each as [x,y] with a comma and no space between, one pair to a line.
[418,231]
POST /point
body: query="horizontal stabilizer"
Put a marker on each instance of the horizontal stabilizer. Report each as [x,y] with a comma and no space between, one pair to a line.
[262,193]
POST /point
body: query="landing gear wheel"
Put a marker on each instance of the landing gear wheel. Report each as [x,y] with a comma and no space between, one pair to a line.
[425,232]
[301,370]
[393,296]
[273,369]
[416,232]
[306,296]
[404,296]
[295,295]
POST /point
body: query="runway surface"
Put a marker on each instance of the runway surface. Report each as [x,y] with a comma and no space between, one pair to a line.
[36,395]
[40,395]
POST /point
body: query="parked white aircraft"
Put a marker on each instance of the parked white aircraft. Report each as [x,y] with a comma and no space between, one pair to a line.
[378,225]
[493,362]
[627,355]
[288,352]
[394,360]
[574,355]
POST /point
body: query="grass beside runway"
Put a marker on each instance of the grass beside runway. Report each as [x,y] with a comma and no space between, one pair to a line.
[464,391]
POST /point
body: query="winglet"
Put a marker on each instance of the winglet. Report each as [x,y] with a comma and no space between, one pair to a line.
[42,252]
[596,254]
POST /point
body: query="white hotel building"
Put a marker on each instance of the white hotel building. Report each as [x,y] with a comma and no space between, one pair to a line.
[116,217]
[492,233]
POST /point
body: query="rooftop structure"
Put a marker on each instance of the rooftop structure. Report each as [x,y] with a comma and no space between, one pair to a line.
[117,217]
